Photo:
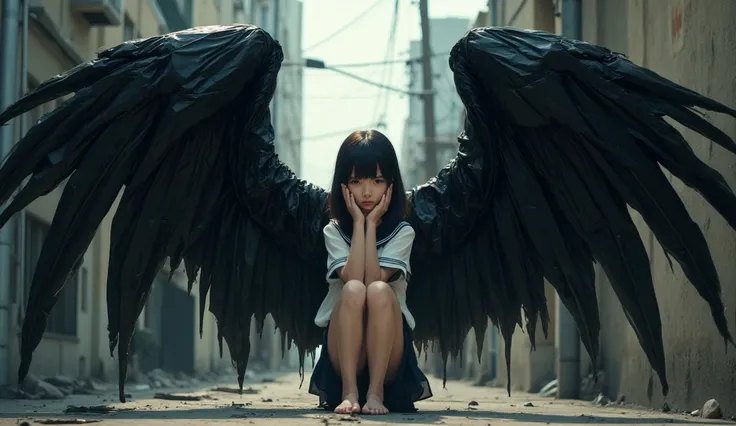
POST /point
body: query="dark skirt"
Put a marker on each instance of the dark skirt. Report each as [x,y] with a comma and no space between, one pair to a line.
[409,385]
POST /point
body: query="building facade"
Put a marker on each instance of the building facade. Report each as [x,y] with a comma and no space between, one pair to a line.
[283,20]
[444,33]
[688,42]
[62,34]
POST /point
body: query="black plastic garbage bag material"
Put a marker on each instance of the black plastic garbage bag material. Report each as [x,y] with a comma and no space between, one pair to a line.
[560,138]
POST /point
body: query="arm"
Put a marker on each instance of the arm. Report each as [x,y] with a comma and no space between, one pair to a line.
[373,270]
[354,268]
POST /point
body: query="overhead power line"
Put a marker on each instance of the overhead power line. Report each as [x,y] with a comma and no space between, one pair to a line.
[372,64]
[383,86]
[344,27]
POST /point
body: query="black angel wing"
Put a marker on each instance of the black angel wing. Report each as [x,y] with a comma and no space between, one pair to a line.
[180,124]
[561,137]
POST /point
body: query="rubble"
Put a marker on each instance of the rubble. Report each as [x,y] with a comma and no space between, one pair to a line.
[246,391]
[180,397]
[591,386]
[711,410]
[160,379]
[601,399]
[61,386]
[95,409]
[42,389]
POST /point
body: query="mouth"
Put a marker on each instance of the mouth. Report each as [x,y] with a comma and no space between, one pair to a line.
[366,204]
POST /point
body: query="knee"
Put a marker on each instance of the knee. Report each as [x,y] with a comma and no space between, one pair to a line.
[353,295]
[379,295]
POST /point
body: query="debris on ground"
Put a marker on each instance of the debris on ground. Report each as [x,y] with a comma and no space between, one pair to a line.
[601,400]
[250,414]
[592,385]
[60,386]
[711,410]
[550,389]
[180,397]
[96,409]
[67,421]
[246,391]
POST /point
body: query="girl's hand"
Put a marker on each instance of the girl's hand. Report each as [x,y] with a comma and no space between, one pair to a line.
[353,208]
[375,215]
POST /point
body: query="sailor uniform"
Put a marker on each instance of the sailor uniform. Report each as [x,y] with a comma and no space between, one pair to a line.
[394,251]
[394,244]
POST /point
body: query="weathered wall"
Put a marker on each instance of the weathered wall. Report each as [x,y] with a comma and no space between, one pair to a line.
[87,353]
[700,56]
[531,369]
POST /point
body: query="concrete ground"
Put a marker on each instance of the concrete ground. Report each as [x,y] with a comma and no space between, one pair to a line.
[282,402]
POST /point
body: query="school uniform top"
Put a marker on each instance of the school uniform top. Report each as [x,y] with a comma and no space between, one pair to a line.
[394,250]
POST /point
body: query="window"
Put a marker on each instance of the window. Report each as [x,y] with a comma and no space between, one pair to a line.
[35,114]
[129,31]
[84,288]
[63,317]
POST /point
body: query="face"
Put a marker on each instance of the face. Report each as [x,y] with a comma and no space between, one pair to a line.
[367,192]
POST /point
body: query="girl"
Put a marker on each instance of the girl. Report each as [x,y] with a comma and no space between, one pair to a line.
[367,363]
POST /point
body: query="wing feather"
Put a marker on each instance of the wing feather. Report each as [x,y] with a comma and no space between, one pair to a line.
[180,124]
[561,138]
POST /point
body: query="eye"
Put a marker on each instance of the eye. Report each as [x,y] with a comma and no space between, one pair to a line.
[380,181]
[353,182]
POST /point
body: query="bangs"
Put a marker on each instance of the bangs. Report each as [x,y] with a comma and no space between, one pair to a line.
[363,155]
[364,158]
[365,151]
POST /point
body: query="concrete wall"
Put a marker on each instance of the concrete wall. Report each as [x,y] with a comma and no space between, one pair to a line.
[530,370]
[530,14]
[87,353]
[700,57]
[283,20]
[74,355]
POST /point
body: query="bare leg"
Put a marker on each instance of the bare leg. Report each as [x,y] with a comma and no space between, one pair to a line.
[384,342]
[345,342]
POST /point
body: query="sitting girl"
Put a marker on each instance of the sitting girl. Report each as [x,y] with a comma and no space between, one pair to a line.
[368,364]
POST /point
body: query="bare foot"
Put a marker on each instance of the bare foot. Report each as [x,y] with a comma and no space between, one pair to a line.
[374,405]
[349,405]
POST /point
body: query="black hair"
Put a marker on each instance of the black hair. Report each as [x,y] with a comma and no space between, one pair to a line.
[362,150]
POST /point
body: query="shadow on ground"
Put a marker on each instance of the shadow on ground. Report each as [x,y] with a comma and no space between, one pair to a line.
[421,416]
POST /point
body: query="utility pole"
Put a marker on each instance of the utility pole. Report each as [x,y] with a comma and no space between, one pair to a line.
[8,93]
[568,339]
[430,139]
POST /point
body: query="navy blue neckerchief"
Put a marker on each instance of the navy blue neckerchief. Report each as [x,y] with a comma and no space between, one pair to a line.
[384,233]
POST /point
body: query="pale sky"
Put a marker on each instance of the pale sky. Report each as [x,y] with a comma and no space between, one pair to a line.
[336,103]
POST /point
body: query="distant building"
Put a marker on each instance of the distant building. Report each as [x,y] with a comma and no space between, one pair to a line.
[444,33]
[62,35]
[283,20]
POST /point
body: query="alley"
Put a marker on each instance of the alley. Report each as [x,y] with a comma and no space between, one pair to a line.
[280,401]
